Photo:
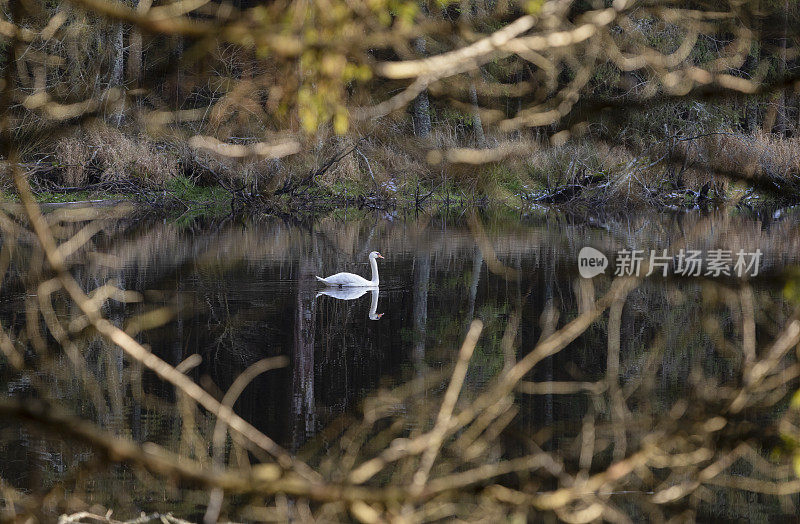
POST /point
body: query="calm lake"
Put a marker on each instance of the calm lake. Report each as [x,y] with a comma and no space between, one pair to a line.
[236,292]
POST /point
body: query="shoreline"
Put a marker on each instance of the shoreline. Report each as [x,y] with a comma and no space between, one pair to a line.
[584,176]
[204,202]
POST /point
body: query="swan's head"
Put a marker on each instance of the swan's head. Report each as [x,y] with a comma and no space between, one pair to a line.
[374,255]
[375,316]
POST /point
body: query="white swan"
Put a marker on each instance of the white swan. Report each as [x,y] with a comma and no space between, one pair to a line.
[352,293]
[353,280]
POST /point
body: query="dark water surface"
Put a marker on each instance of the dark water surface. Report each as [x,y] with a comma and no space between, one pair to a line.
[240,292]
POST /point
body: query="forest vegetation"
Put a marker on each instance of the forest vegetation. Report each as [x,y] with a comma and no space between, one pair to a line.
[681,396]
[291,105]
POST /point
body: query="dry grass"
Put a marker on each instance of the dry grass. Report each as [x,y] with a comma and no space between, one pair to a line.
[73,155]
[571,162]
[758,155]
[709,162]
[386,159]
[111,155]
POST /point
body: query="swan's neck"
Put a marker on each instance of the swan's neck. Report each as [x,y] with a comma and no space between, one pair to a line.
[373,307]
[374,263]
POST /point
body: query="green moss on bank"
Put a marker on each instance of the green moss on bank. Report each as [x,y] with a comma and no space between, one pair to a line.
[183,189]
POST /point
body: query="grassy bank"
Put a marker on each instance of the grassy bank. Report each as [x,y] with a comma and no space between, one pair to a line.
[391,170]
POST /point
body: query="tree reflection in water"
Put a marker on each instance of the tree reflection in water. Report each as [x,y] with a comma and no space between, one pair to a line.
[655,366]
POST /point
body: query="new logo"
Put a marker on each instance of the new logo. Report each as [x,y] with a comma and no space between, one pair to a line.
[591,262]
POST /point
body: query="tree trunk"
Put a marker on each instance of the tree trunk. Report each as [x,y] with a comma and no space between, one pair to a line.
[751,115]
[751,108]
[117,68]
[797,108]
[303,402]
[477,125]
[422,277]
[135,47]
[477,264]
[177,53]
[781,122]
[421,116]
[547,322]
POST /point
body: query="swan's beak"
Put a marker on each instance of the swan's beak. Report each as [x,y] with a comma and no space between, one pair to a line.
[379,255]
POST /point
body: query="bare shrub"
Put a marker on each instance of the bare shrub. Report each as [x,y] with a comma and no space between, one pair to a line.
[347,169]
[393,160]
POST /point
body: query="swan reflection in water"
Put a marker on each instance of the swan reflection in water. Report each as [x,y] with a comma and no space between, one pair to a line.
[352,293]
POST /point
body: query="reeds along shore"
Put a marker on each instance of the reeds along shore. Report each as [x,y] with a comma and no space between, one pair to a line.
[681,170]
